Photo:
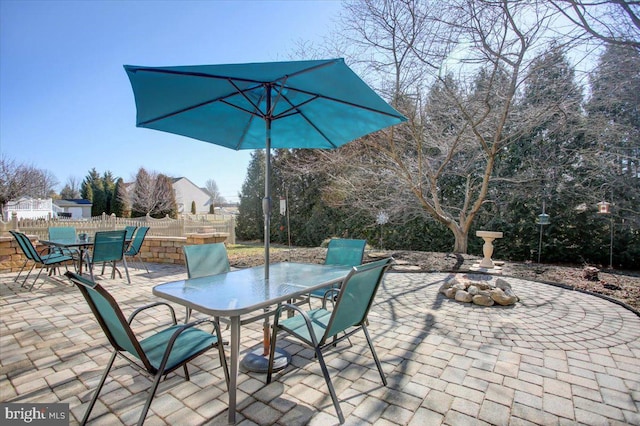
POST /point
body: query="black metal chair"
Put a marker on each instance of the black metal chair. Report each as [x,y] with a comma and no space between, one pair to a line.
[50,260]
[134,248]
[157,355]
[319,328]
[108,247]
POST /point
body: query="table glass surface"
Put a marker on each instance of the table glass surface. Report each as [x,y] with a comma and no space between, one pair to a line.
[246,290]
[69,242]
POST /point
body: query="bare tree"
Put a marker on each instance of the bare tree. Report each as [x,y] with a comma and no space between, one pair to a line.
[212,188]
[455,70]
[613,22]
[17,180]
[71,189]
[151,195]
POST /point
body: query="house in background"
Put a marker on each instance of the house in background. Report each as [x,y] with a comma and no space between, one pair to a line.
[188,192]
[29,208]
[38,208]
[73,208]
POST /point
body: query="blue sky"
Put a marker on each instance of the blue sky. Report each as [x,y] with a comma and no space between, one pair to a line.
[66,104]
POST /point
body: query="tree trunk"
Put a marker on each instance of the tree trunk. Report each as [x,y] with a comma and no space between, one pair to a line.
[461,239]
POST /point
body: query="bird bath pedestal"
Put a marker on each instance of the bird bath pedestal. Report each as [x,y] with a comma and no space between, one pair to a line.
[487,248]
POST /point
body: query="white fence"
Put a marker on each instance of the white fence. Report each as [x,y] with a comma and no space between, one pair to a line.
[201,224]
[31,208]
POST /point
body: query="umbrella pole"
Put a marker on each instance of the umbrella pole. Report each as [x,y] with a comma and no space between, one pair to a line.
[257,360]
[266,207]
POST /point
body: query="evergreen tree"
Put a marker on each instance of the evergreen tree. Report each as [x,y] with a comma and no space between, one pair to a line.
[541,166]
[109,186]
[93,186]
[119,203]
[250,223]
[86,193]
[614,127]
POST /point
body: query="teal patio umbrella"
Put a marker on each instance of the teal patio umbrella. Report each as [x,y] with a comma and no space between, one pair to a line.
[298,104]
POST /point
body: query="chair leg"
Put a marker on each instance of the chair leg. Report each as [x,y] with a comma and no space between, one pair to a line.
[223,360]
[186,373]
[152,393]
[272,351]
[126,270]
[34,281]
[91,271]
[375,355]
[141,261]
[21,269]
[27,277]
[97,392]
[332,391]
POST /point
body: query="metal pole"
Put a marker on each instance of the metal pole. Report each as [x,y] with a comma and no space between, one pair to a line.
[611,244]
[540,244]
[541,226]
[266,202]
[266,206]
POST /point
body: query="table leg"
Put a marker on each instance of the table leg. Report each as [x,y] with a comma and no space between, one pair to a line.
[235,363]
[81,254]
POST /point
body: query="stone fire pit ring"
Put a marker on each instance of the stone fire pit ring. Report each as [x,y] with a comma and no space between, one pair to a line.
[468,289]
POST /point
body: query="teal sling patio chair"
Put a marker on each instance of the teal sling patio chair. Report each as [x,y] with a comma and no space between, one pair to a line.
[129,231]
[341,251]
[157,355]
[108,247]
[319,328]
[51,260]
[134,247]
[64,233]
[205,259]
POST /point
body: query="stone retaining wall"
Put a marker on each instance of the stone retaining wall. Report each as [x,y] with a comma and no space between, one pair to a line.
[153,250]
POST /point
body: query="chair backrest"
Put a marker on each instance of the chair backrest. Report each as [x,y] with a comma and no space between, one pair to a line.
[345,252]
[108,246]
[130,230]
[62,233]
[206,259]
[138,239]
[110,317]
[355,297]
[26,246]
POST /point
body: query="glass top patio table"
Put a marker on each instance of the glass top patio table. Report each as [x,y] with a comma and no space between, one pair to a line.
[81,244]
[243,291]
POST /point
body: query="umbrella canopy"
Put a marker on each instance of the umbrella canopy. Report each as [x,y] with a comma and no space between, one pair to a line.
[311,104]
[300,104]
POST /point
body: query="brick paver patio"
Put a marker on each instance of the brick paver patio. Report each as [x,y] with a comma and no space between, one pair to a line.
[556,357]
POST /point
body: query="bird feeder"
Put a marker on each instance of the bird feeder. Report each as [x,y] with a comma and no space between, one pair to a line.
[543,219]
[604,207]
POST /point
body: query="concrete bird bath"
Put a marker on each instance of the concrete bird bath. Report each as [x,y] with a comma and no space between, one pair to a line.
[487,248]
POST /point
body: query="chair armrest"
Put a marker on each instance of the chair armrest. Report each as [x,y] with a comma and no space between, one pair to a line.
[289,306]
[47,250]
[332,291]
[180,330]
[143,308]
[302,313]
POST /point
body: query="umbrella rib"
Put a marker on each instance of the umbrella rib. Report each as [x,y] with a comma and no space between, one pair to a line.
[340,101]
[295,110]
[207,102]
[196,74]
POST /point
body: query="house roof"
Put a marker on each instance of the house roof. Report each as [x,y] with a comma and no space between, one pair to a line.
[67,202]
